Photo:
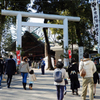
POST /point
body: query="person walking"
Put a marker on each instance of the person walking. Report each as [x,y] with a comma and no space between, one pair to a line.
[65,87]
[32,77]
[10,70]
[24,69]
[66,81]
[95,79]
[42,66]
[90,69]
[59,85]
[73,75]
[1,69]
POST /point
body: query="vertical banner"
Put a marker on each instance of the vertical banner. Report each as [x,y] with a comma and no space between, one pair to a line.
[95,15]
[18,57]
[69,53]
[80,53]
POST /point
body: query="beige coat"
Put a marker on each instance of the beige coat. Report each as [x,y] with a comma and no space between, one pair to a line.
[32,77]
[89,67]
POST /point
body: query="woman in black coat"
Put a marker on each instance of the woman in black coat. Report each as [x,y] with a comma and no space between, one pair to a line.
[96,79]
[73,75]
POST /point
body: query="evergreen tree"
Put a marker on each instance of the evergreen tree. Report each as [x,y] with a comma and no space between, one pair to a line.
[17,5]
[78,31]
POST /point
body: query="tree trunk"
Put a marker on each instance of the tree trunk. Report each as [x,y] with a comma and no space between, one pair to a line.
[0,32]
[47,47]
[46,53]
[2,22]
[80,42]
[72,39]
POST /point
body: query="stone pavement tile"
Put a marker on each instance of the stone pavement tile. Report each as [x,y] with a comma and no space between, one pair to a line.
[43,89]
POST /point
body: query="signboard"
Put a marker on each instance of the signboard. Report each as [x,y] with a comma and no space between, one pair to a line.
[80,53]
[69,53]
[18,56]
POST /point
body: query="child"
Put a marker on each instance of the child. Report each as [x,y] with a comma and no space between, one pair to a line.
[66,82]
[58,80]
[31,77]
[65,89]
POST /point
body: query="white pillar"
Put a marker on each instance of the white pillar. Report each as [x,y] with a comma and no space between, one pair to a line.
[65,38]
[18,28]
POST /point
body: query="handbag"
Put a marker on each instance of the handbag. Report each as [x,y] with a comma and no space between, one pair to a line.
[34,77]
[82,72]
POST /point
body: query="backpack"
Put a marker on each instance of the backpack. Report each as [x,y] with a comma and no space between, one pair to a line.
[58,76]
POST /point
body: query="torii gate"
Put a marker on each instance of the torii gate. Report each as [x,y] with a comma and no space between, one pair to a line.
[19,23]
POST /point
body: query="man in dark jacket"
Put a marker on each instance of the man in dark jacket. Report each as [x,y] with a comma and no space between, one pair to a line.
[10,70]
[1,69]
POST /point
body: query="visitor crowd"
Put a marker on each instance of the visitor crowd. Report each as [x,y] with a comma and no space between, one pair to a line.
[60,75]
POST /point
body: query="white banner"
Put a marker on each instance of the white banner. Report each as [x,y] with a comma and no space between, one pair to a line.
[46,62]
[95,14]
[80,53]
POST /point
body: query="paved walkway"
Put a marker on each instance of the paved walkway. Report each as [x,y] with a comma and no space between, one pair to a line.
[43,89]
